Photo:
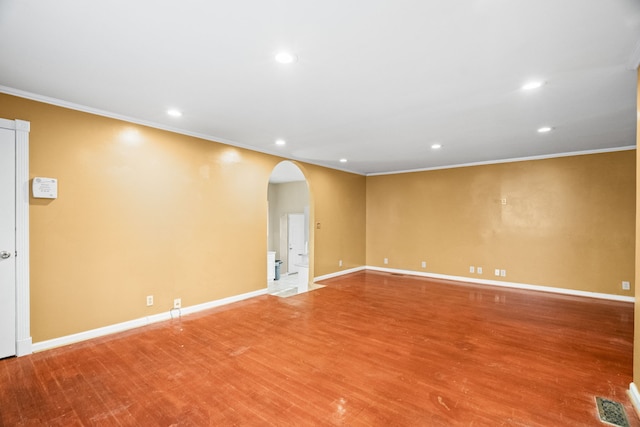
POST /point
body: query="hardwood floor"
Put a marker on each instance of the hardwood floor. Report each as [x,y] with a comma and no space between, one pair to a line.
[368,349]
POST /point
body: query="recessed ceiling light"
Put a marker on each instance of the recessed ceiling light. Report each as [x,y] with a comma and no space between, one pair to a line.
[436,146]
[532,85]
[545,129]
[343,160]
[285,57]
[174,113]
[281,142]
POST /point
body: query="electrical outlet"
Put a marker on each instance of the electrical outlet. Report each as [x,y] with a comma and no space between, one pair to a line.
[479,270]
[386,260]
[424,264]
[339,263]
[472,269]
[149,300]
[503,273]
[497,272]
[626,286]
[177,303]
[503,201]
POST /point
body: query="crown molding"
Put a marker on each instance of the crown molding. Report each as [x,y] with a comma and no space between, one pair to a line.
[98,112]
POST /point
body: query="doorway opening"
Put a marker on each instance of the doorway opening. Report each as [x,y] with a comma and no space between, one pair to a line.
[289,255]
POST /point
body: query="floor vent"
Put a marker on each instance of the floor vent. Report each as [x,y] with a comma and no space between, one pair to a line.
[611,412]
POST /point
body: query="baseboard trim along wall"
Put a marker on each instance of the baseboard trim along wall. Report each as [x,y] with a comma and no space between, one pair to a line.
[147,320]
[563,291]
[339,273]
[635,397]
[143,321]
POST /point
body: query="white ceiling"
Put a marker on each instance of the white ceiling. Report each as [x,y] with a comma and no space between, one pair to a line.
[376,81]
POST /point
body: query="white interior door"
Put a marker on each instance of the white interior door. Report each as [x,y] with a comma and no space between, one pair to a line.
[296,241]
[7,243]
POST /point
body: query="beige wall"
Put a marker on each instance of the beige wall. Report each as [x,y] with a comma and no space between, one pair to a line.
[339,220]
[148,212]
[568,222]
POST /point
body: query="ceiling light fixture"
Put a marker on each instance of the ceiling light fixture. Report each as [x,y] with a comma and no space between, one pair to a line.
[174,113]
[532,85]
[281,142]
[436,146]
[545,129]
[285,58]
[343,160]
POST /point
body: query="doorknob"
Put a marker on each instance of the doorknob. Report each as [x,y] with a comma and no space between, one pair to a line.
[5,254]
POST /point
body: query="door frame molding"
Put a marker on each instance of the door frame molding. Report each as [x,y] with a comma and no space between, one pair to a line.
[23,312]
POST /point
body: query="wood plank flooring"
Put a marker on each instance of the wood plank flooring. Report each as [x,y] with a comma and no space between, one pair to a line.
[369,349]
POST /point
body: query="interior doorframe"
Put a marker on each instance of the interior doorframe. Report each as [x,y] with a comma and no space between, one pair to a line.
[312,219]
[23,312]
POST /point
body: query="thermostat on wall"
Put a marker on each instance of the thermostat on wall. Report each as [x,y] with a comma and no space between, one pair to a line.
[45,188]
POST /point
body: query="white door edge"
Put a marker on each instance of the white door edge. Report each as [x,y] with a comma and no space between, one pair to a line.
[23,323]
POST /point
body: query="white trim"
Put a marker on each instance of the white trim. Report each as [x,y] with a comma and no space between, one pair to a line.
[224,301]
[70,105]
[515,285]
[143,321]
[635,397]
[339,273]
[23,305]
[85,109]
[8,124]
[512,160]
[463,279]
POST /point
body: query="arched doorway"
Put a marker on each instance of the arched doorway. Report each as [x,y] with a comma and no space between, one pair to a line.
[288,231]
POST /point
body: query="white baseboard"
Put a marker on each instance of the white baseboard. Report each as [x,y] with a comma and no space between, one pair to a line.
[28,347]
[635,397]
[339,273]
[143,321]
[24,347]
[224,301]
[515,285]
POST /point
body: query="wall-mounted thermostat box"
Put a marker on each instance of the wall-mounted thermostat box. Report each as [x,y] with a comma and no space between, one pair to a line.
[44,188]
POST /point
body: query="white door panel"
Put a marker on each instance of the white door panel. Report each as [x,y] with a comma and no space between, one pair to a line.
[7,244]
[296,241]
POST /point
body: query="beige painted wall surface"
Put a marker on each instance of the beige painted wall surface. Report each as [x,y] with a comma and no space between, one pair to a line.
[568,222]
[338,213]
[147,212]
